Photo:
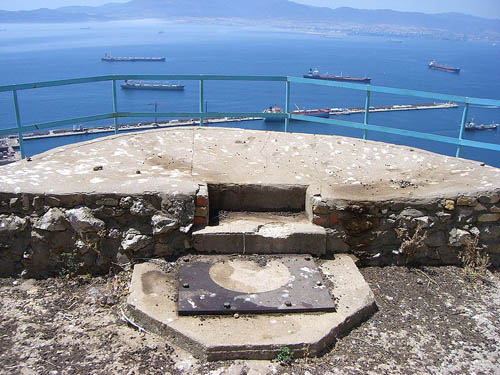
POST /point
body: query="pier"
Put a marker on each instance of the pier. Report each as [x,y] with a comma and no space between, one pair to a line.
[134,126]
[393,108]
[189,122]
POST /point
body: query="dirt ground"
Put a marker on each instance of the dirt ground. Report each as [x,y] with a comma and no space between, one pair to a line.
[430,321]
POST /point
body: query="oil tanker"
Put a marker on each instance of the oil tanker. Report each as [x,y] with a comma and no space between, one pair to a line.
[314,74]
[443,68]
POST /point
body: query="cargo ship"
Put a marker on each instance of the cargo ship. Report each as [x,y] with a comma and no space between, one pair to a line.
[314,74]
[109,58]
[444,68]
[473,126]
[140,85]
[324,113]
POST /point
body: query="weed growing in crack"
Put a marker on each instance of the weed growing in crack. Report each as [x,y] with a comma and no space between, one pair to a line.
[285,355]
[411,244]
[70,265]
[475,261]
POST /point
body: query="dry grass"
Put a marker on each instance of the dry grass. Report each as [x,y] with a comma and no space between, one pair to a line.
[411,244]
[475,260]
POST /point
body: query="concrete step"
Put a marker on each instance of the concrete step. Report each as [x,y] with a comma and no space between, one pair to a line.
[261,233]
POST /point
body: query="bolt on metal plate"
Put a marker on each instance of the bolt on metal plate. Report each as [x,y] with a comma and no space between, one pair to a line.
[231,285]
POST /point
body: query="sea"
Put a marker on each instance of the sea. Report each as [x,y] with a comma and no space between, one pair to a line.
[41,52]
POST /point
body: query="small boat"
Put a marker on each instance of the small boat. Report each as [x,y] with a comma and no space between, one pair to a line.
[140,85]
[314,74]
[273,110]
[473,126]
[449,69]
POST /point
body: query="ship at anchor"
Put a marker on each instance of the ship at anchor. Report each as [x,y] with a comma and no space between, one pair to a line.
[444,68]
[314,74]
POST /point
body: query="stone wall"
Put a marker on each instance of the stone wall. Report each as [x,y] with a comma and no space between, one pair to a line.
[370,229]
[38,234]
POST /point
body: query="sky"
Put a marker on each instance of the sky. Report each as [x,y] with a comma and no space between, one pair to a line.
[482,8]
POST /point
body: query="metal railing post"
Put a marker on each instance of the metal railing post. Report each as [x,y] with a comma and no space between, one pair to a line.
[287,105]
[367,113]
[115,107]
[201,102]
[18,122]
[462,126]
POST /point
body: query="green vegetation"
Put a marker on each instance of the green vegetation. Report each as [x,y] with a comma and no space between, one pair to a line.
[285,355]
[70,264]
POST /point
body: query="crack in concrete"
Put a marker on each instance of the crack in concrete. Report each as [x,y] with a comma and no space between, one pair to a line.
[192,152]
[262,149]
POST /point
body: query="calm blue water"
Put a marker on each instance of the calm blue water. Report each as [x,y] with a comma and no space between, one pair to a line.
[48,52]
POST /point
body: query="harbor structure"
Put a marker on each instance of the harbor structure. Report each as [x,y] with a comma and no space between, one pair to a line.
[108,58]
[146,85]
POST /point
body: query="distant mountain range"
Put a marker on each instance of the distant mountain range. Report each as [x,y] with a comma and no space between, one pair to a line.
[260,10]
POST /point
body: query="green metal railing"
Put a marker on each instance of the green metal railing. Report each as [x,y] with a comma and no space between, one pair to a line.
[287,115]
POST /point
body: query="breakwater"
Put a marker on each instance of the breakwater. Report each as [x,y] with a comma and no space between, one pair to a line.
[190,122]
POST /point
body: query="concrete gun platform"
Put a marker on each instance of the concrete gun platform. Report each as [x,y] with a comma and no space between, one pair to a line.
[173,161]
[152,306]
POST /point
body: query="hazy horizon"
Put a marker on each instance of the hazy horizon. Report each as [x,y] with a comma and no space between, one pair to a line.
[481,8]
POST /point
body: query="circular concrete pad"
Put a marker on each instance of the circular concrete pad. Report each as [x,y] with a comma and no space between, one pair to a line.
[249,277]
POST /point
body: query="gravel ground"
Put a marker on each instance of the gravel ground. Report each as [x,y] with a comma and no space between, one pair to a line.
[430,321]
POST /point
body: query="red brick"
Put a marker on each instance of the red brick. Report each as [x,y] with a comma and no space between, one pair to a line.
[201,211]
[321,220]
[201,201]
[198,220]
[334,218]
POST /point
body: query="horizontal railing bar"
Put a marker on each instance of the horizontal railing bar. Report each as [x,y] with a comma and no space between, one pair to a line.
[396,91]
[348,124]
[198,114]
[122,77]
[61,82]
[476,144]
[202,77]
[408,133]
[55,124]
[356,86]
[75,121]
[197,77]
